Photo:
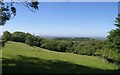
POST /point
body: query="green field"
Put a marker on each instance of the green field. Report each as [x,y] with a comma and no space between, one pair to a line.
[21,58]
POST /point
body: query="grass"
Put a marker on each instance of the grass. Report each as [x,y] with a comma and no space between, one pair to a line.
[21,58]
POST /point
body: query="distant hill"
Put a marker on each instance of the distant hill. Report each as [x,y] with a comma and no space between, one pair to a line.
[100,38]
[73,38]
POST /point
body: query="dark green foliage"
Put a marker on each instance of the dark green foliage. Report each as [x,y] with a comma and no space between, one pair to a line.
[6,36]
[111,55]
[49,44]
[29,40]
[26,38]
[113,40]
[8,10]
[56,45]
[37,41]
[117,22]
[88,47]
[19,37]
[61,47]
[2,43]
[114,37]
[28,34]
[64,46]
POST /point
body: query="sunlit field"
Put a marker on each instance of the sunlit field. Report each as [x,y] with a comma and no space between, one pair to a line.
[21,58]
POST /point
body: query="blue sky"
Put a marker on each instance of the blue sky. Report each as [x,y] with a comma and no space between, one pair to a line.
[92,19]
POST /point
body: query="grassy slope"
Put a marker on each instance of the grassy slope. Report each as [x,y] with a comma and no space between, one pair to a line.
[19,57]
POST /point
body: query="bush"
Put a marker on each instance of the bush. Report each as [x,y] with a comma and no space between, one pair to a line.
[19,37]
[6,36]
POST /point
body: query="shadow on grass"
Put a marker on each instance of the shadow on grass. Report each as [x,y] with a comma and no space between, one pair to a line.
[36,65]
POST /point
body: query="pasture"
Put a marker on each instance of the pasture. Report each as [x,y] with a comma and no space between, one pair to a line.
[21,58]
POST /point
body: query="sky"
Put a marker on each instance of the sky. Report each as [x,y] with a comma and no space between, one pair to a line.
[79,19]
[66,0]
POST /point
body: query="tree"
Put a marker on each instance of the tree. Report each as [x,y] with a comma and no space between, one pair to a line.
[33,40]
[6,36]
[62,46]
[49,44]
[8,10]
[37,41]
[114,43]
[29,40]
[114,37]
[19,37]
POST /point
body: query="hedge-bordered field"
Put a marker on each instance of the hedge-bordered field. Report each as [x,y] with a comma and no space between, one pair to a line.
[21,58]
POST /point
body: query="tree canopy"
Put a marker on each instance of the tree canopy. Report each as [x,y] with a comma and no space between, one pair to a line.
[6,36]
[8,9]
[114,36]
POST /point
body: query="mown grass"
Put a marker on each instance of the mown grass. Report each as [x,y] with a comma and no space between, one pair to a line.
[21,58]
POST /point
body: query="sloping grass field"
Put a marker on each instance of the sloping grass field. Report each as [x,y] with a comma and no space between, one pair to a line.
[21,58]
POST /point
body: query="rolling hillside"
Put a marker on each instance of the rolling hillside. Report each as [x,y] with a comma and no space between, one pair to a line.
[21,58]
